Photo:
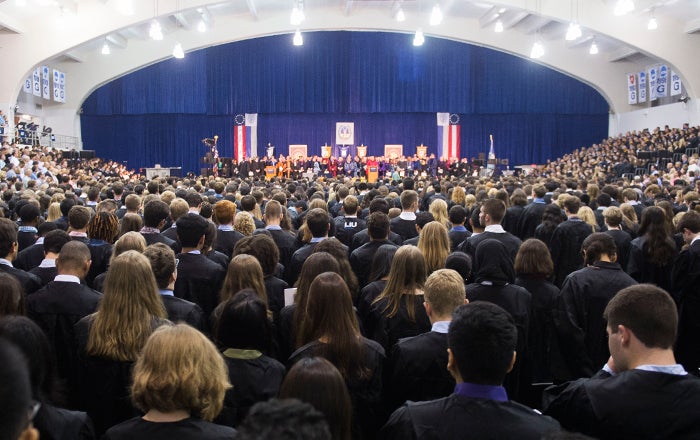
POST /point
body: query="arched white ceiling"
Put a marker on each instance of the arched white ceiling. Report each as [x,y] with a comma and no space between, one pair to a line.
[39,33]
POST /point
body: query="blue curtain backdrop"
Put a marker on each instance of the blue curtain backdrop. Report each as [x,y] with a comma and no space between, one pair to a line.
[390,89]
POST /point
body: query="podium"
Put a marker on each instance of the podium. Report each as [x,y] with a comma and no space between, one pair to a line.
[269,172]
[372,173]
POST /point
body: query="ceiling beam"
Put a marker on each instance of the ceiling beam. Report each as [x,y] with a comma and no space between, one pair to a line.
[510,20]
[692,26]
[117,40]
[579,41]
[489,17]
[348,7]
[534,24]
[12,24]
[252,8]
[182,20]
[74,56]
[622,53]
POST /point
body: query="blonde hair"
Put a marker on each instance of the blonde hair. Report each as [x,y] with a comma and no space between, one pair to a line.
[54,212]
[243,222]
[444,291]
[128,311]
[438,208]
[131,241]
[459,196]
[470,200]
[629,215]
[180,369]
[434,244]
[586,214]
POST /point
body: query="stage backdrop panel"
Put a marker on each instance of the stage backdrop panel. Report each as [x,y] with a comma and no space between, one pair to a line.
[389,89]
[298,150]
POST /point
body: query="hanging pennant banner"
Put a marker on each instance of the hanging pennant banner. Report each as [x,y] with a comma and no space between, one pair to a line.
[675,84]
[27,88]
[36,82]
[642,84]
[56,90]
[45,82]
[662,82]
[631,88]
[62,86]
[653,72]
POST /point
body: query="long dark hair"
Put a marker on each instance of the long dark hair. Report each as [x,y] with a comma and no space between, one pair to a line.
[659,247]
[34,345]
[330,317]
[243,323]
[316,381]
[316,264]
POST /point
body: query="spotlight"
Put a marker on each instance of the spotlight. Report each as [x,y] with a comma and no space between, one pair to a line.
[419,38]
[298,40]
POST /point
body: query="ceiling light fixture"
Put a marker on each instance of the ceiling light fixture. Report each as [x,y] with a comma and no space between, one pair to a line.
[178,52]
[21,3]
[400,16]
[201,26]
[537,50]
[105,49]
[573,32]
[436,16]
[419,38]
[499,26]
[155,31]
[297,16]
[653,24]
[298,40]
[594,48]
[623,7]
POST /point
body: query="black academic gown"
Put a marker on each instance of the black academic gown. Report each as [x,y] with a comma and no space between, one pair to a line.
[493,283]
[634,404]
[582,342]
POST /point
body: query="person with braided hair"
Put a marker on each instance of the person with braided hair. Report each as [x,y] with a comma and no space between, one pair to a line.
[102,230]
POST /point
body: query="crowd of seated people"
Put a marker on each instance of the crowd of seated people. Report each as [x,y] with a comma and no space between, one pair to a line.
[417,307]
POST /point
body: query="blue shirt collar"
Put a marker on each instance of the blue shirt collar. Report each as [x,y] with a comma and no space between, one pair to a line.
[273,227]
[317,239]
[166,292]
[459,228]
[491,392]
[440,327]
[225,228]
[539,201]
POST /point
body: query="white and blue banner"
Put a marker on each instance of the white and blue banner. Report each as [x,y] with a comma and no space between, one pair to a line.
[642,84]
[62,86]
[662,82]
[631,88]
[251,128]
[45,83]
[676,85]
[27,87]
[56,92]
[36,82]
[345,133]
[653,75]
